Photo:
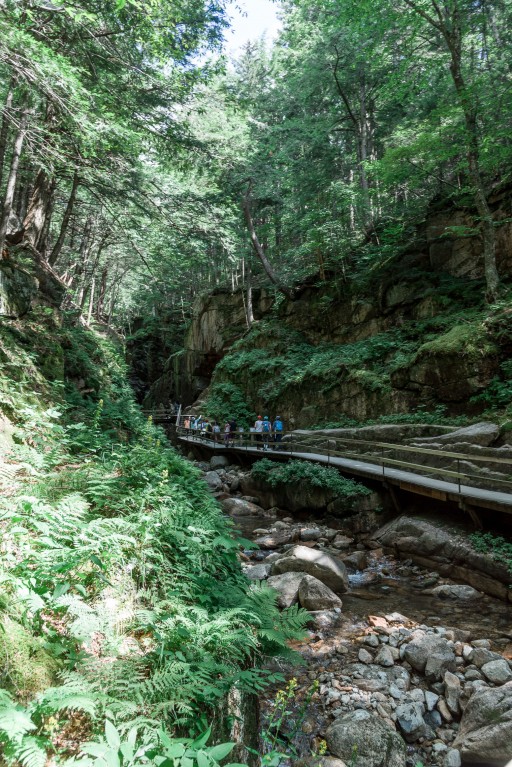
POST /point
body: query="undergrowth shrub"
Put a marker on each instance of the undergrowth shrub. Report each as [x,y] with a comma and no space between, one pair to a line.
[313,475]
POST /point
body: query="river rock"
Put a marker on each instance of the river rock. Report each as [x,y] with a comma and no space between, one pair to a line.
[240,507]
[479,656]
[219,462]
[319,761]
[430,654]
[258,572]
[287,585]
[356,561]
[315,595]
[497,671]
[385,657]
[213,480]
[410,720]
[326,568]
[310,534]
[485,733]
[452,758]
[460,592]
[452,692]
[375,743]
[364,656]
[274,540]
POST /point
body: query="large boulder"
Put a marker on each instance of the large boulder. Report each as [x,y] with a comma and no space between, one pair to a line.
[213,480]
[328,569]
[365,734]
[485,733]
[477,434]
[239,507]
[456,591]
[287,585]
[315,595]
[430,654]
[219,462]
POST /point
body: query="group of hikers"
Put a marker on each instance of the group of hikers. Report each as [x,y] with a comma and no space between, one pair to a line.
[265,432]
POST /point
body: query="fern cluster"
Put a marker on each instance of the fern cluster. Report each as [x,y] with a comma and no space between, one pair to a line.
[120,567]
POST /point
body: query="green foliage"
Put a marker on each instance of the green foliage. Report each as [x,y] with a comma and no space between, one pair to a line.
[311,474]
[225,401]
[496,546]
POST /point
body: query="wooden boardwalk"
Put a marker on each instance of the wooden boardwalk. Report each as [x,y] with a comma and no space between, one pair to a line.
[467,496]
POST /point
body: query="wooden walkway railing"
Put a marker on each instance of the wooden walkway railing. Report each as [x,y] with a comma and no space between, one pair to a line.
[481,480]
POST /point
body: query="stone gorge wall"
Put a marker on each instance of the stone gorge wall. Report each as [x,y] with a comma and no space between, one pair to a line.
[324,314]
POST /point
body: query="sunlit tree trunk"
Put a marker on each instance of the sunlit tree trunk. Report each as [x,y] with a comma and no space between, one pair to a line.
[11,180]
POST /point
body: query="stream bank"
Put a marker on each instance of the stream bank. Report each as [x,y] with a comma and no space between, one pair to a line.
[410,666]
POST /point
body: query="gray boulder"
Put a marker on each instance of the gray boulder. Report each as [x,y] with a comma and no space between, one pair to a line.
[287,585]
[483,433]
[326,568]
[430,654]
[376,744]
[258,572]
[238,506]
[485,733]
[497,671]
[275,539]
[410,720]
[384,657]
[213,480]
[315,595]
[463,593]
[219,462]
[479,656]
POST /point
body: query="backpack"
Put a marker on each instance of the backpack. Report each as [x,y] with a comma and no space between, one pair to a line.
[266,426]
[278,425]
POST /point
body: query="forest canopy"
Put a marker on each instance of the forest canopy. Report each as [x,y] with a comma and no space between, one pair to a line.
[142,168]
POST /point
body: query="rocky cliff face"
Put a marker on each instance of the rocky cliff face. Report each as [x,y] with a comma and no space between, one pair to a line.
[415,334]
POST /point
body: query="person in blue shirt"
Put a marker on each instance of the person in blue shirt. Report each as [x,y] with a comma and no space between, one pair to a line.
[277,428]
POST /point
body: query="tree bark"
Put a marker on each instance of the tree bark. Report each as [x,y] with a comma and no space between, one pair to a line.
[39,210]
[4,130]
[54,255]
[258,248]
[11,180]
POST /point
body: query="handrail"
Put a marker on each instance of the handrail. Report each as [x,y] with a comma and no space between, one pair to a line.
[291,446]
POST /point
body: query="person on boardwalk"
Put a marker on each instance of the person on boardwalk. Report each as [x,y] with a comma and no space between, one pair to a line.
[232,431]
[216,431]
[277,428]
[266,432]
[258,429]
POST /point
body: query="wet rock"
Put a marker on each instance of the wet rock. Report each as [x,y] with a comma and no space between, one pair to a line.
[342,542]
[240,507]
[461,593]
[279,525]
[485,733]
[310,534]
[315,595]
[274,540]
[358,560]
[258,572]
[287,585]
[497,671]
[326,568]
[376,743]
[409,717]
[234,485]
[430,654]
[213,480]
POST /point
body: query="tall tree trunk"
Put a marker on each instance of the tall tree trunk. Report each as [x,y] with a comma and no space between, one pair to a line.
[11,180]
[102,293]
[259,249]
[39,210]
[4,130]
[83,257]
[54,255]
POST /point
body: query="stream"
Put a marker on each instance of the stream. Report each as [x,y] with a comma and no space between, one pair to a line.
[385,593]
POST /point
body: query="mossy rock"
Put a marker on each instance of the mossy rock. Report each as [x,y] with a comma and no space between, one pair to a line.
[25,667]
[470,340]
